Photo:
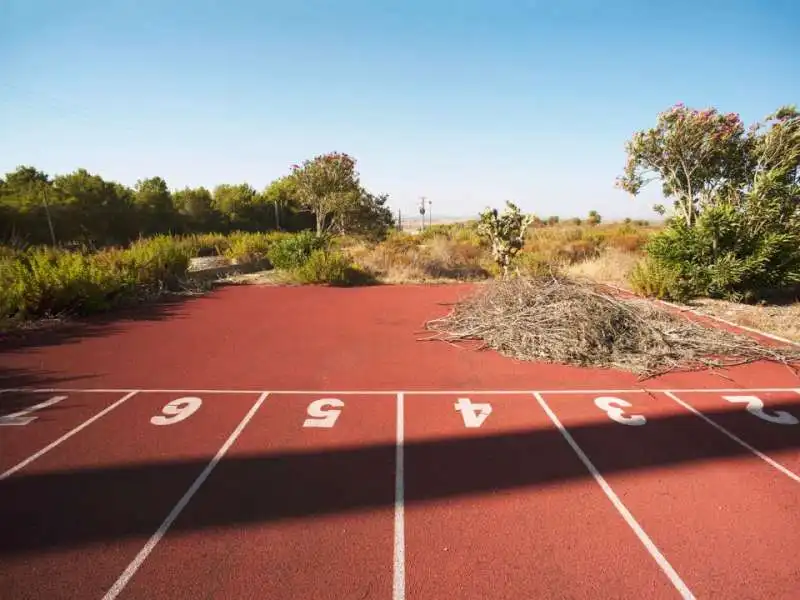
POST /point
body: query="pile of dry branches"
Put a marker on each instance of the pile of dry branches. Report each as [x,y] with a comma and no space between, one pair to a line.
[559,320]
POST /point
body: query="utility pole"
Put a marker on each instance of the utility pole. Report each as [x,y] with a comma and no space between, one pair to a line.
[399,220]
[422,210]
[49,220]
[430,214]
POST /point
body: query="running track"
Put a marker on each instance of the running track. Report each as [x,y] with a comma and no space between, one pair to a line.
[302,443]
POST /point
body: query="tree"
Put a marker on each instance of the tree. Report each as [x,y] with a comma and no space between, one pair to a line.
[694,153]
[328,186]
[737,199]
[196,206]
[95,211]
[154,202]
[505,232]
[367,216]
[594,218]
[281,193]
[24,198]
[236,203]
[553,220]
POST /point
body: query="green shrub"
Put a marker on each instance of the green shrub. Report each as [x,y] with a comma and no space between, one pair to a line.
[653,279]
[726,254]
[291,251]
[252,247]
[334,268]
[48,281]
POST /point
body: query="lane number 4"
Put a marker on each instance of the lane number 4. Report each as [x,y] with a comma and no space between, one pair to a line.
[473,413]
[24,417]
[614,408]
[756,407]
[323,413]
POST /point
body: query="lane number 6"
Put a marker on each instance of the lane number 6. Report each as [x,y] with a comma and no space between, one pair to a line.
[177,410]
[613,408]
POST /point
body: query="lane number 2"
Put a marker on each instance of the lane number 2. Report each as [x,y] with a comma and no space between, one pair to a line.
[615,411]
[177,410]
[756,407]
[473,413]
[323,413]
[23,417]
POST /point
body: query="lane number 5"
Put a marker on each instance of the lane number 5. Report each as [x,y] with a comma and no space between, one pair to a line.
[756,407]
[177,410]
[323,413]
[613,408]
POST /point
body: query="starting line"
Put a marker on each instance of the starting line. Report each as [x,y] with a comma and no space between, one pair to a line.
[417,392]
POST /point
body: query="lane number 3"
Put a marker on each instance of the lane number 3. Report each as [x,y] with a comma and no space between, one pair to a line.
[615,411]
[323,413]
[756,407]
[177,410]
[473,413]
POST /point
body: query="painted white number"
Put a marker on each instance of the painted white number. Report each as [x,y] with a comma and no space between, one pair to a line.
[612,408]
[323,413]
[23,417]
[474,413]
[177,410]
[756,407]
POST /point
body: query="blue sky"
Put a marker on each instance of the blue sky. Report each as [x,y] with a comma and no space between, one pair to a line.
[468,103]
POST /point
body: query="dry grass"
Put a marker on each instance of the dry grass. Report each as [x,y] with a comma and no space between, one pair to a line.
[611,266]
[783,320]
[404,258]
[564,321]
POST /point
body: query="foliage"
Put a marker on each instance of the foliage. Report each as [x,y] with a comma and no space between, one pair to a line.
[737,197]
[328,186]
[247,247]
[694,153]
[49,281]
[505,233]
[333,268]
[291,251]
[594,218]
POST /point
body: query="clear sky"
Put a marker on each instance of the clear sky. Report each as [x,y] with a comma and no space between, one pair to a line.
[469,103]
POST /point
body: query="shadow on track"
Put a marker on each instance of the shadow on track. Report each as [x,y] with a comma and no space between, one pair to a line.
[98,325]
[46,511]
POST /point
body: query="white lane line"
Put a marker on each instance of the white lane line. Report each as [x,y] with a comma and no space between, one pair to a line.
[399,507]
[66,436]
[130,571]
[792,475]
[662,562]
[272,393]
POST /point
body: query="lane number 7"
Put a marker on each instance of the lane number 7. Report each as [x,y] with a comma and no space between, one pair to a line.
[756,407]
[23,417]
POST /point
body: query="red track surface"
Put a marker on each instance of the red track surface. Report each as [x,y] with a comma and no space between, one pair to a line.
[240,500]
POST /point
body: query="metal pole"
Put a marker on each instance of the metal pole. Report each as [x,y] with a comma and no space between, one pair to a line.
[49,220]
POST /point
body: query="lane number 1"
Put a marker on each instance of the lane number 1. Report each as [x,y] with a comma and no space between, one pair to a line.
[323,413]
[615,411]
[473,413]
[756,407]
[23,417]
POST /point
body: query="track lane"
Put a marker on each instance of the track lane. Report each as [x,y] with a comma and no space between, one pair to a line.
[24,432]
[74,519]
[291,512]
[767,421]
[725,520]
[506,510]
